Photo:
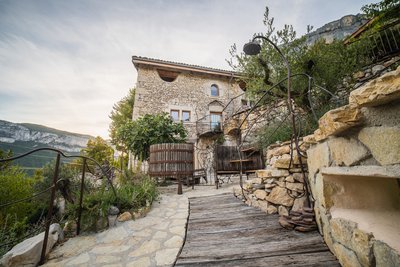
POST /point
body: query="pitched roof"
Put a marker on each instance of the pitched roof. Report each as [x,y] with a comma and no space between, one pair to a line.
[137,60]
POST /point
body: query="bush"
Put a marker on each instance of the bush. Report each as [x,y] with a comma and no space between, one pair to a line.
[282,131]
[130,196]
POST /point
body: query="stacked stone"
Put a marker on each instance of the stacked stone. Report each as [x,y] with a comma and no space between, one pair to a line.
[367,73]
[280,187]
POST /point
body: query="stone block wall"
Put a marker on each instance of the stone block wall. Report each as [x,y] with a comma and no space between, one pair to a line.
[189,92]
[280,187]
[354,175]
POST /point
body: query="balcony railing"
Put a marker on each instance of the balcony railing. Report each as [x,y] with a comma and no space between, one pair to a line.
[207,127]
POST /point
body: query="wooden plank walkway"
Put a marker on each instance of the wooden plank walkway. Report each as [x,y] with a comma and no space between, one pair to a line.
[229,233]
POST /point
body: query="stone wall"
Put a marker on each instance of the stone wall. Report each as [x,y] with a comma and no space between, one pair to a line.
[363,76]
[280,187]
[189,91]
[354,175]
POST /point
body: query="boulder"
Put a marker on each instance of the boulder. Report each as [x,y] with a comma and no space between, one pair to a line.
[337,121]
[283,211]
[384,143]
[280,196]
[279,151]
[260,194]
[342,231]
[345,256]
[126,216]
[272,209]
[385,255]
[298,177]
[270,173]
[361,243]
[263,205]
[299,187]
[290,179]
[377,92]
[283,162]
[299,203]
[28,252]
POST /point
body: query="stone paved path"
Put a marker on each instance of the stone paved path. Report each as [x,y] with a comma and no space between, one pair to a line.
[154,240]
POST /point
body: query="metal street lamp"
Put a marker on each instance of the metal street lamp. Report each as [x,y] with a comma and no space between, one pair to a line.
[253,48]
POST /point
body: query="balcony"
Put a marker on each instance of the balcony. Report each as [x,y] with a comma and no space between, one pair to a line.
[205,127]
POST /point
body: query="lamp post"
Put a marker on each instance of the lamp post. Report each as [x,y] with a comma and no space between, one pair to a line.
[253,48]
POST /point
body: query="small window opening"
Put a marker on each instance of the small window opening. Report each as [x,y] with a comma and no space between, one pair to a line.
[185,116]
[175,115]
[214,90]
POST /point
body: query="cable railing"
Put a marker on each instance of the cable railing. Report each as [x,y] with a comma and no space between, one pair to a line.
[53,188]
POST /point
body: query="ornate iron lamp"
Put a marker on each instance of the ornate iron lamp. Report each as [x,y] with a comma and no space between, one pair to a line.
[253,48]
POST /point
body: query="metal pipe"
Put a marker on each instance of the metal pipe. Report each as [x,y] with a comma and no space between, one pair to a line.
[50,211]
[78,223]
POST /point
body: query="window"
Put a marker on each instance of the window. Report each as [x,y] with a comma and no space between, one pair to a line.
[214,90]
[216,118]
[175,115]
[185,115]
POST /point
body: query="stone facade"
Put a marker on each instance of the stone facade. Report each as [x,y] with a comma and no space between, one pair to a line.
[189,91]
[354,175]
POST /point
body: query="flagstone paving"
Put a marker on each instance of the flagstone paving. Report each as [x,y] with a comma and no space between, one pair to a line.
[154,240]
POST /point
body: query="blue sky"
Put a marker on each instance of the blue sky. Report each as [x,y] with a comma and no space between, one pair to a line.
[64,64]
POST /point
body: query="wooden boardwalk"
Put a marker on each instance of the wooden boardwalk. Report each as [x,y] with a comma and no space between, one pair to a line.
[222,231]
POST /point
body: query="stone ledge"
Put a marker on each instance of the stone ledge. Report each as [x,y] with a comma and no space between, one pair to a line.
[364,171]
[337,121]
[382,90]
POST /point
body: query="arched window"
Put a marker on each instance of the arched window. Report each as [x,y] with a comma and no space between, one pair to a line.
[214,90]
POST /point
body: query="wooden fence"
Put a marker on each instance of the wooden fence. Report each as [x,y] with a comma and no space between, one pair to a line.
[227,159]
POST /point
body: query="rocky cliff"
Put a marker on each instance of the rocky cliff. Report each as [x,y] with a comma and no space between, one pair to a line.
[41,136]
[338,29]
[23,137]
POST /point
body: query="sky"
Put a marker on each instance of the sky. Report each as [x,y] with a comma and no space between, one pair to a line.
[64,64]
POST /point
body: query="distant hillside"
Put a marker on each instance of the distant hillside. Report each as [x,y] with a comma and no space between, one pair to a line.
[23,137]
[338,29]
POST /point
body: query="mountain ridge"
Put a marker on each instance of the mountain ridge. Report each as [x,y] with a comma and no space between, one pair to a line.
[24,137]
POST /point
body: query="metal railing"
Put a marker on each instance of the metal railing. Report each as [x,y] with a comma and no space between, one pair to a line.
[53,188]
[382,44]
[206,126]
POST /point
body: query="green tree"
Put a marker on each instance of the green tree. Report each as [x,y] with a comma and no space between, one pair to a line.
[120,114]
[384,9]
[140,134]
[327,63]
[99,150]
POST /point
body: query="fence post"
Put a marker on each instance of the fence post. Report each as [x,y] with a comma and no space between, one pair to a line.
[50,211]
[78,224]
[179,184]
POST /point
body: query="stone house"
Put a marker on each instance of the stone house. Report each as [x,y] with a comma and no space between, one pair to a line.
[191,94]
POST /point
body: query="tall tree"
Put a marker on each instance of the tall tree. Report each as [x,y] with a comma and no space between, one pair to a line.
[120,114]
[99,150]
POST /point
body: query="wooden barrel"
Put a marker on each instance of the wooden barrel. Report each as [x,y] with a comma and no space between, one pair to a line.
[171,160]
